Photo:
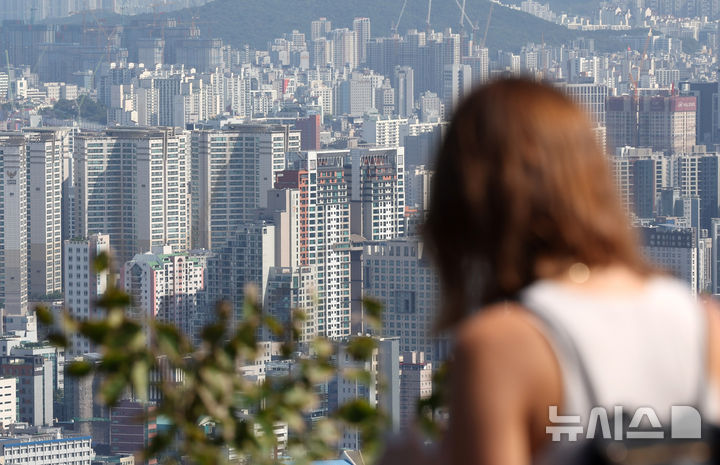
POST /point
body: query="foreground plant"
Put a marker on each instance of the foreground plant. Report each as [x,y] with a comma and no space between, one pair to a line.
[213,409]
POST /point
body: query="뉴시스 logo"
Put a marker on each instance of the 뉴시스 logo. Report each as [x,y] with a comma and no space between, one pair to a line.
[685,423]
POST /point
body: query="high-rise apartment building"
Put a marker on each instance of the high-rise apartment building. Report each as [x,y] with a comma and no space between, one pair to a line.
[361,27]
[83,285]
[232,171]
[345,48]
[675,249]
[457,82]
[13,226]
[479,64]
[378,192]
[640,174]
[591,97]
[322,52]
[698,175]
[47,152]
[320,28]
[317,208]
[245,259]
[415,384]
[133,185]
[384,131]
[399,274]
[170,287]
[325,198]
[404,84]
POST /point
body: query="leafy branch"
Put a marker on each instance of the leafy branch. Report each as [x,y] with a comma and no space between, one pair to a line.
[211,407]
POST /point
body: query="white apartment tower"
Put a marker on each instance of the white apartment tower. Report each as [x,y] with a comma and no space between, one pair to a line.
[384,131]
[13,227]
[46,152]
[320,28]
[345,49]
[133,184]
[83,285]
[378,192]
[325,195]
[361,26]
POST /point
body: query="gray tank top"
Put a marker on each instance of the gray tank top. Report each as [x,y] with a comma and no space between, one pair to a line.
[645,349]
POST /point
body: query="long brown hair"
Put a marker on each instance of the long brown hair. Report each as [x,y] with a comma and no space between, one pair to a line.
[520,180]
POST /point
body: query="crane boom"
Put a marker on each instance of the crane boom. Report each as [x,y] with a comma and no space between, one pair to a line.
[397,23]
[462,15]
[427,21]
[643,57]
[462,11]
[487,25]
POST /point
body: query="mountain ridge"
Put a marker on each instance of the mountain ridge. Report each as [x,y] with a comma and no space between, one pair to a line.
[257,22]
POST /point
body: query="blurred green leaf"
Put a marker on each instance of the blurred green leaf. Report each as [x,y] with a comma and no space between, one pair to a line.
[79,368]
[113,388]
[101,262]
[361,347]
[95,331]
[357,411]
[44,315]
[373,312]
[139,375]
[114,298]
[58,340]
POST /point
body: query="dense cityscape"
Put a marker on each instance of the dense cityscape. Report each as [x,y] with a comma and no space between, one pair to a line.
[299,172]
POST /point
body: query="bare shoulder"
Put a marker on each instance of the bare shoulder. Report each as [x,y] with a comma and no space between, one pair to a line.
[712,307]
[506,326]
[506,342]
[504,366]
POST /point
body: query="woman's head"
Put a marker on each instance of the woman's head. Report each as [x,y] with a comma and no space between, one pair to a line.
[521,192]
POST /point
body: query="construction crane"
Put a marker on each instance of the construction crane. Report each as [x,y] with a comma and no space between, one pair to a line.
[635,86]
[487,25]
[394,27]
[427,21]
[643,57]
[475,27]
[462,16]
[636,109]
